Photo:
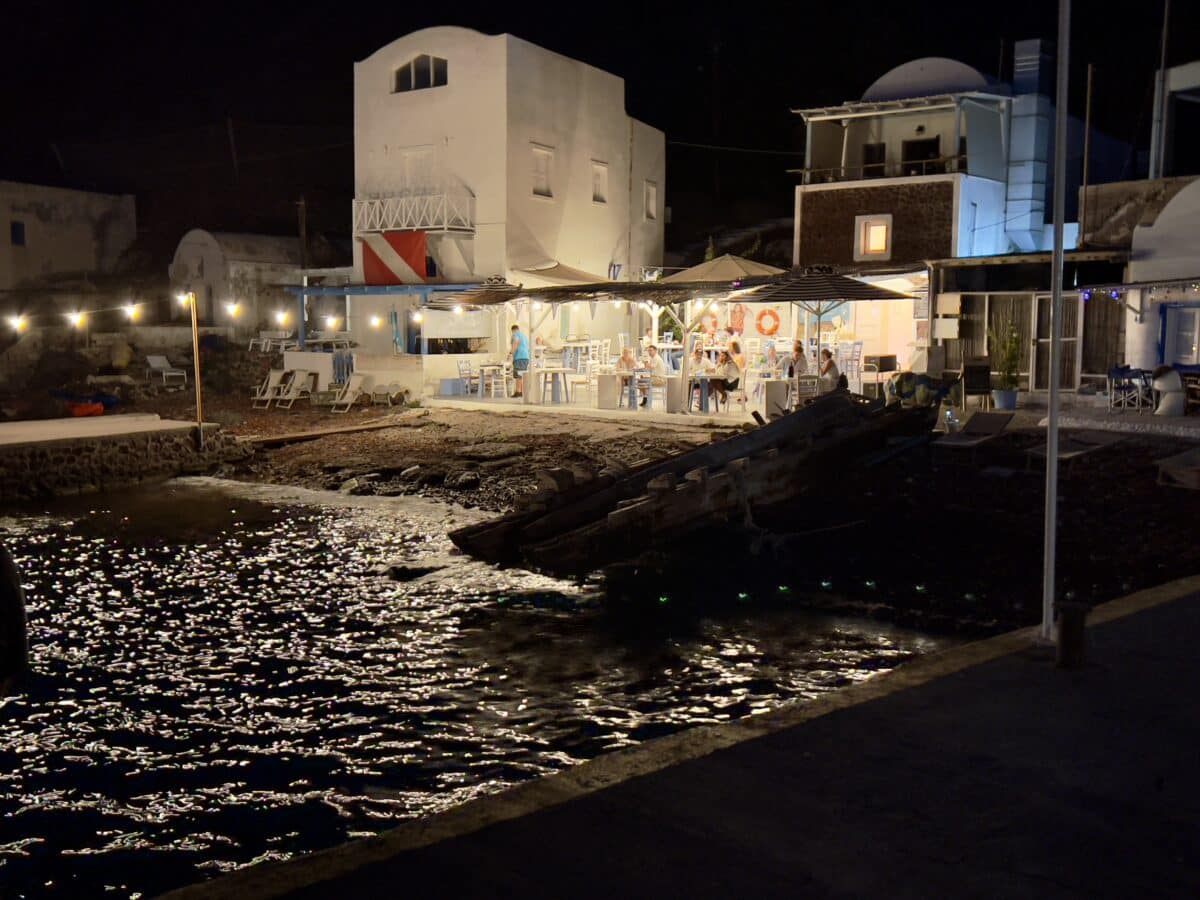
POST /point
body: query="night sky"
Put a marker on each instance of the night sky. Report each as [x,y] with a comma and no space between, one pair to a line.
[721,75]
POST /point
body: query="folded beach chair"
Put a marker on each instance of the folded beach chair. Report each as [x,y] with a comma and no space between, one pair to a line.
[268,390]
[350,393]
[1073,445]
[159,365]
[296,388]
[981,428]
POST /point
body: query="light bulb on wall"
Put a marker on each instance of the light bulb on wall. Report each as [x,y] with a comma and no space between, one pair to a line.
[331,321]
[417,317]
[376,322]
[182,298]
[76,319]
[233,309]
[131,311]
[18,323]
[281,318]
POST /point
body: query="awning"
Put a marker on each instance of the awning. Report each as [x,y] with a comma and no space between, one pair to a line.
[555,273]
[818,287]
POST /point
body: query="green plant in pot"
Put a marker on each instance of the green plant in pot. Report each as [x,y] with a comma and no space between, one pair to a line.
[1005,346]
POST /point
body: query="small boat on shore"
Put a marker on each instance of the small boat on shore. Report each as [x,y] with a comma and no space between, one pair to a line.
[579,523]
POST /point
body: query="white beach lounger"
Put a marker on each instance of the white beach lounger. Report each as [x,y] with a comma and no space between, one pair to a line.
[267,391]
[349,394]
[160,365]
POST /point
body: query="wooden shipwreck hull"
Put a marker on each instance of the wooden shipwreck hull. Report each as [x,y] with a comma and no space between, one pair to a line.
[577,526]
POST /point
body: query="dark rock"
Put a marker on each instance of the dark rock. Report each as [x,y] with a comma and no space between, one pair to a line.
[431,477]
[409,573]
[490,450]
[465,480]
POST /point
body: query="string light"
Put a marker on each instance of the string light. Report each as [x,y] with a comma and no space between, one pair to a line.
[417,317]
[376,322]
[18,323]
[1115,294]
[331,321]
[76,319]
[281,317]
[234,309]
[131,311]
[537,304]
[458,310]
[182,298]
[1087,295]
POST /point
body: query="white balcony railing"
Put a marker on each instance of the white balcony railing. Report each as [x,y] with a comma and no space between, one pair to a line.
[433,207]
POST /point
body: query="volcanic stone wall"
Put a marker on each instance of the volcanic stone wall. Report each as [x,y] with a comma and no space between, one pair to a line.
[89,465]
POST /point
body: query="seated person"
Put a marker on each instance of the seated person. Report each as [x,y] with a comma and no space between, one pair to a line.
[798,365]
[772,363]
[829,372]
[626,363]
[735,353]
[731,377]
[658,370]
[698,364]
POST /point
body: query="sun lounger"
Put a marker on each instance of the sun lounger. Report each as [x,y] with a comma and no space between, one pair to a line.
[1073,445]
[350,393]
[159,365]
[981,428]
[296,388]
[1181,470]
[267,391]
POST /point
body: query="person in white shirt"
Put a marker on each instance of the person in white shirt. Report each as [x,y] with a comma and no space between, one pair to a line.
[829,372]
[699,364]
[658,369]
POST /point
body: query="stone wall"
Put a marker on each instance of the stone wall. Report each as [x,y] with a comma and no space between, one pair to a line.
[89,465]
[922,221]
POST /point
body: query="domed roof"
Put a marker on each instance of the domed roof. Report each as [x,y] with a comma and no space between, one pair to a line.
[926,78]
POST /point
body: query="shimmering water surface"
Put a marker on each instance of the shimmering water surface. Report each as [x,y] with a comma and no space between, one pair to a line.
[223,676]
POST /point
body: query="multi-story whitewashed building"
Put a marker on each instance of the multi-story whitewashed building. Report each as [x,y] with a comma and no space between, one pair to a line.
[484,155]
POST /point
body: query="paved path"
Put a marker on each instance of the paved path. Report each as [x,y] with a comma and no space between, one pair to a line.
[45,430]
[1000,778]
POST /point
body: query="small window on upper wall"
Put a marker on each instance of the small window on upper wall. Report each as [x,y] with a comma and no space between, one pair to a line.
[543,171]
[16,233]
[599,182]
[872,237]
[650,196]
[423,72]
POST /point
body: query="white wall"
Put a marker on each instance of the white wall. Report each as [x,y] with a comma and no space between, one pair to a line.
[66,231]
[989,236]
[1170,248]
[462,123]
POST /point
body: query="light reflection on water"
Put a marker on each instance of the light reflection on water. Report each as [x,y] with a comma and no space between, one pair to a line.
[223,676]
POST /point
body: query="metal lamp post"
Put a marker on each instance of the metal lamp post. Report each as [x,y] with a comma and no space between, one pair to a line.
[189,299]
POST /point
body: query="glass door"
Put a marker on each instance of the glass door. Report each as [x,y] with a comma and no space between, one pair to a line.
[1187,336]
[1069,361]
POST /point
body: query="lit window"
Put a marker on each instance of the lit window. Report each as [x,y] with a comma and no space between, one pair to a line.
[599,182]
[543,171]
[872,237]
[423,72]
[16,233]
[650,195]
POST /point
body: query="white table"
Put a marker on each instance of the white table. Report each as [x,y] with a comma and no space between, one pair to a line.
[555,374]
[490,367]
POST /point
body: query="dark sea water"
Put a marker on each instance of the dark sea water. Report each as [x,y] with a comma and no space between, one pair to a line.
[222,675]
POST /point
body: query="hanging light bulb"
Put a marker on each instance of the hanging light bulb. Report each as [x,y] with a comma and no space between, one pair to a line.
[458,310]
[281,317]
[76,319]
[18,323]
[417,317]
[130,310]
[234,309]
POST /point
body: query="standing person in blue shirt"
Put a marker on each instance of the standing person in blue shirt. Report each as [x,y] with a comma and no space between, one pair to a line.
[520,357]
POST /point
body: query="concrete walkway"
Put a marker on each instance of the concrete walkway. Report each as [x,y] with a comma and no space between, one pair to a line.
[979,772]
[41,431]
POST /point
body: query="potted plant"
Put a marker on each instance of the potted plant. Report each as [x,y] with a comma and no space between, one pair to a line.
[1005,348]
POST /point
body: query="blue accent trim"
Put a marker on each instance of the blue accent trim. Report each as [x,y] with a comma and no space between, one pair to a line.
[302,326]
[1162,334]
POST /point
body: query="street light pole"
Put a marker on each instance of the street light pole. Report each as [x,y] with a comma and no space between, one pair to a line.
[1050,535]
[191,301]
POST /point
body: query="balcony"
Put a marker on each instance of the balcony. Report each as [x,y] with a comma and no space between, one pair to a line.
[942,165]
[448,206]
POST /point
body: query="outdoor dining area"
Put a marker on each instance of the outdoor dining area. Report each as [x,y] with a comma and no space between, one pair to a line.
[758,341]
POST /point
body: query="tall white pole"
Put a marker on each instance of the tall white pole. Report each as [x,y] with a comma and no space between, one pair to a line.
[196,370]
[1056,279]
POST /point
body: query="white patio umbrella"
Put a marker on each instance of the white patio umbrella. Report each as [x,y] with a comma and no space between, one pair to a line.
[723,268]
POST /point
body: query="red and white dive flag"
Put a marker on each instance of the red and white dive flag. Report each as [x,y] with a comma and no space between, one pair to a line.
[393,257]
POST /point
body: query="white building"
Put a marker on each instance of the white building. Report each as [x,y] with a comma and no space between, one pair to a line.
[236,277]
[484,155]
[47,231]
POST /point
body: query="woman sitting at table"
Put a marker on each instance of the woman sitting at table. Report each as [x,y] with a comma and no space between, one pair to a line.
[829,372]
[626,364]
[731,377]
[798,364]
[772,362]
[735,353]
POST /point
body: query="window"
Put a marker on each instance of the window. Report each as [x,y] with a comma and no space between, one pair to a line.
[650,196]
[423,72]
[543,171]
[599,182]
[872,237]
[16,233]
[874,156]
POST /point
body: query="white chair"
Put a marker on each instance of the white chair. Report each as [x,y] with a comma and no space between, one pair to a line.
[159,365]
[268,390]
[468,376]
[349,393]
[753,348]
[495,381]
[296,388]
[606,351]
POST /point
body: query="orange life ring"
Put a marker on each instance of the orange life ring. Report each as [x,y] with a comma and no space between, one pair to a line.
[710,322]
[770,327]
